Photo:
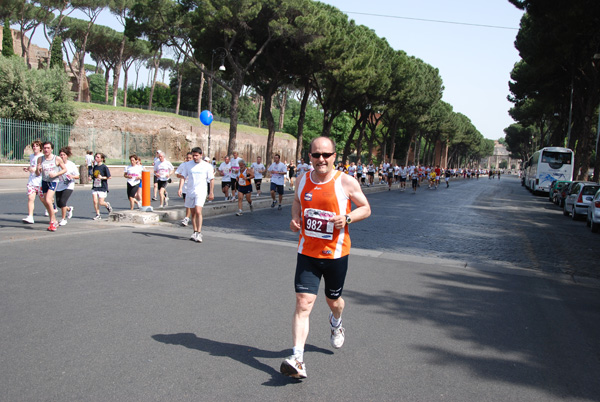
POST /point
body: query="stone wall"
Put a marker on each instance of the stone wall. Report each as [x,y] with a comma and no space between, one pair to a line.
[118,134]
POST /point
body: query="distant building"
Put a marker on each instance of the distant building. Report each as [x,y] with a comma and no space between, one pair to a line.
[500,154]
[39,57]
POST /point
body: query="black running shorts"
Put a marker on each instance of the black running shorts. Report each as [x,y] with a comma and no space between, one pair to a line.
[309,271]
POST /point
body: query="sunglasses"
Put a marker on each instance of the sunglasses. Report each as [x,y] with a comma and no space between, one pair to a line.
[325,155]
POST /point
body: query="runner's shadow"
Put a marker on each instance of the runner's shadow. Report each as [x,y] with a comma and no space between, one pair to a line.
[152,234]
[242,353]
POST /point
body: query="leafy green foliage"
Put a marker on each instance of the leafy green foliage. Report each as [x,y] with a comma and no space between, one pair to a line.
[34,95]
[56,56]
[162,97]
[7,42]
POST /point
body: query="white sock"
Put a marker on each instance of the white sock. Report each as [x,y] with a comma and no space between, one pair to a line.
[298,353]
[336,322]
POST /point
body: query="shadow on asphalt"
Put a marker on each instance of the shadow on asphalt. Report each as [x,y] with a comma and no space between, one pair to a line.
[499,329]
[155,234]
[242,353]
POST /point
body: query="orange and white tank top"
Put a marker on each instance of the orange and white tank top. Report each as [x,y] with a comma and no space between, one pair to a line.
[243,178]
[318,237]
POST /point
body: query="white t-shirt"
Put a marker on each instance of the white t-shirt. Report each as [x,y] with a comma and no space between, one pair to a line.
[136,172]
[34,180]
[302,168]
[235,167]
[65,182]
[278,171]
[89,160]
[162,170]
[196,176]
[259,169]
[225,169]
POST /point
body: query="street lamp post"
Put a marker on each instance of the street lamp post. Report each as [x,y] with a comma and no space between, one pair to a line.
[222,52]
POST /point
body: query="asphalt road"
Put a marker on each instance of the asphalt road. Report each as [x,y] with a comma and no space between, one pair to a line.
[476,292]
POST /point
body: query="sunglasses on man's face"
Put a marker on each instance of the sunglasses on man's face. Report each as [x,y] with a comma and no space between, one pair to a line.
[325,155]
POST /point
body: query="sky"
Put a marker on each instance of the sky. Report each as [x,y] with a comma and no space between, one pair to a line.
[460,38]
[474,61]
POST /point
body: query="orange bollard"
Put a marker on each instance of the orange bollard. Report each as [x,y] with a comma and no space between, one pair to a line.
[146,189]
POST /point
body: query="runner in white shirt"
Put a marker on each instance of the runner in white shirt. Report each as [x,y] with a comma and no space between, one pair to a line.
[302,168]
[403,173]
[352,169]
[235,172]
[277,171]
[133,174]
[197,173]
[163,169]
[34,184]
[225,172]
[370,173]
[182,191]
[259,169]
[89,161]
[66,185]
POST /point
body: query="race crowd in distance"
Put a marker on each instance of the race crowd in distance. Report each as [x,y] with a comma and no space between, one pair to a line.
[52,179]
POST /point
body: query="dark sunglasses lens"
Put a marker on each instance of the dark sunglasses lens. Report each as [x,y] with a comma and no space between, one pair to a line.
[318,155]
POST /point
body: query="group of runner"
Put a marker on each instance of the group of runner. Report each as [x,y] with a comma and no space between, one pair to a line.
[52,179]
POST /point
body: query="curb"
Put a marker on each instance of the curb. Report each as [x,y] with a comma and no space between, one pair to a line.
[215,208]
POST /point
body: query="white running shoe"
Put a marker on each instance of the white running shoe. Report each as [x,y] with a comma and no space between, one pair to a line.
[239,213]
[273,204]
[198,237]
[97,217]
[28,219]
[251,208]
[70,213]
[185,221]
[62,222]
[291,367]
[46,213]
[337,334]
[193,236]
[108,207]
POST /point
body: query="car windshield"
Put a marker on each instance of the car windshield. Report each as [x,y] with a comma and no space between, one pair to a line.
[590,190]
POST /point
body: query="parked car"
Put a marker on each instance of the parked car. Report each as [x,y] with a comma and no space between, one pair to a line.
[560,196]
[593,216]
[556,186]
[579,198]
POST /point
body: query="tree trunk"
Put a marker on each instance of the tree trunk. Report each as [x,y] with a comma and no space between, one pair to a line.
[179,80]
[349,140]
[359,141]
[234,112]
[200,90]
[117,72]
[125,77]
[106,83]
[270,123]
[82,62]
[301,118]
[282,106]
[156,62]
[260,108]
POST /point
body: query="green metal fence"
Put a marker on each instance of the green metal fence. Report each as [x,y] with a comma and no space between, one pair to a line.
[16,137]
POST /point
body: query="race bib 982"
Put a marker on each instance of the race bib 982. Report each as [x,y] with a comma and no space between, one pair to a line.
[316,223]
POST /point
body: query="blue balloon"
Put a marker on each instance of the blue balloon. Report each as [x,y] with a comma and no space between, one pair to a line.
[206,117]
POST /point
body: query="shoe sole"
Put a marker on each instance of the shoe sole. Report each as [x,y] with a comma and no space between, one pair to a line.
[290,371]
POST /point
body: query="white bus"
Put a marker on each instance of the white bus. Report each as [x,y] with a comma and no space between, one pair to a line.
[547,165]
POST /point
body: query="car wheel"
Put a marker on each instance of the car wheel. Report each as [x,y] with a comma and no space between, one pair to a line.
[565,212]
[573,213]
[594,227]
